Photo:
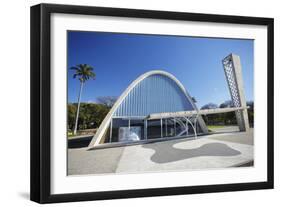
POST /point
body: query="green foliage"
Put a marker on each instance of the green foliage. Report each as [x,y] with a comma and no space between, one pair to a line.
[71,113]
[90,116]
[251,112]
[220,119]
[210,106]
[227,118]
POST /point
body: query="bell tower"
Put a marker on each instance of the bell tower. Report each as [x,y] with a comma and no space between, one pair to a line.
[233,73]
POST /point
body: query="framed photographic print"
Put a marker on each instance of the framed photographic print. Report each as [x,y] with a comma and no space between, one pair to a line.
[132,103]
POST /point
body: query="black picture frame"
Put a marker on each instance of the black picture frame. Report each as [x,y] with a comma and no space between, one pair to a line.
[41,95]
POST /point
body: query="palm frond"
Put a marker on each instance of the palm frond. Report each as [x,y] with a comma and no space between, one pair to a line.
[84,72]
[74,68]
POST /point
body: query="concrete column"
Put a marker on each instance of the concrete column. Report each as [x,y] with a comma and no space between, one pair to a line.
[145,129]
[233,73]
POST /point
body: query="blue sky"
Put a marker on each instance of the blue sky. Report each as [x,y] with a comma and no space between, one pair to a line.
[118,59]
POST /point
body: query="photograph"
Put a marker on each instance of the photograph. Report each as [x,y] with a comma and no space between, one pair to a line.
[154,103]
[129,103]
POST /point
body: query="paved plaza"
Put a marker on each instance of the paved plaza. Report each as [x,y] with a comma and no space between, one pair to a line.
[221,150]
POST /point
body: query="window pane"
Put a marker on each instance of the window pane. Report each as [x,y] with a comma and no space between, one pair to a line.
[153,129]
[168,127]
[138,125]
[116,124]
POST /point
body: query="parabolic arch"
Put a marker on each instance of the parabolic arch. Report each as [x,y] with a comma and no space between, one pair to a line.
[155,91]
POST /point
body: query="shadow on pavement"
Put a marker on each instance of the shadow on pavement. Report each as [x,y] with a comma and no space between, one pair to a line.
[165,152]
[79,142]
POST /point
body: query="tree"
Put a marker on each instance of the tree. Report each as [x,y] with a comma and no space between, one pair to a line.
[107,100]
[210,106]
[83,72]
[91,115]
[250,104]
[227,104]
[71,109]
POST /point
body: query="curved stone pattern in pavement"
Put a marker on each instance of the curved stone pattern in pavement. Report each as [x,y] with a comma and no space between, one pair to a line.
[216,151]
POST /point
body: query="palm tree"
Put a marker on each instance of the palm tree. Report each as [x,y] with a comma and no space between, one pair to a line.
[83,72]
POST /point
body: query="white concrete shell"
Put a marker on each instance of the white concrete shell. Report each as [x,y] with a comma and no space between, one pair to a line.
[106,122]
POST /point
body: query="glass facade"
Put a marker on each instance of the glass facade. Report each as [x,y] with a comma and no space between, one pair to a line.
[138,129]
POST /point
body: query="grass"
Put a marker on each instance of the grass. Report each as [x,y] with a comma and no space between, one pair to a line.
[71,135]
[215,126]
